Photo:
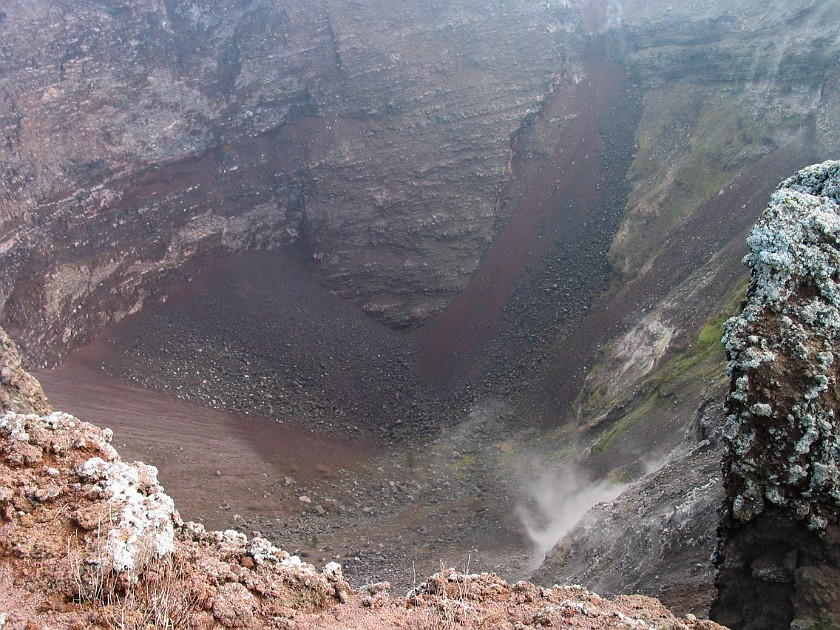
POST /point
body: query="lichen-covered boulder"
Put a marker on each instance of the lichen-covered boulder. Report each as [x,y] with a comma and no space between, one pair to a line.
[781,431]
[782,461]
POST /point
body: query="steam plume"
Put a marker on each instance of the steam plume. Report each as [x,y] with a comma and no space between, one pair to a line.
[554,504]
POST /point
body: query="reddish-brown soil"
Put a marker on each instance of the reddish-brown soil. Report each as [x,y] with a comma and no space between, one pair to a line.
[256,334]
[189,444]
[87,541]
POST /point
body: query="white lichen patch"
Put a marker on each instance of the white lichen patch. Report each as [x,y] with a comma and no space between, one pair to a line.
[142,517]
[262,550]
[13,426]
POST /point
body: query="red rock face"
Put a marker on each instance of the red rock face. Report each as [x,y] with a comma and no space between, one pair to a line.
[115,541]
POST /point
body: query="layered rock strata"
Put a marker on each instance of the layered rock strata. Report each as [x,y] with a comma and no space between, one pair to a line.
[142,139]
[779,555]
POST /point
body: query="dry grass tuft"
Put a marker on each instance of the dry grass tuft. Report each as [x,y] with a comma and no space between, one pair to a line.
[159,597]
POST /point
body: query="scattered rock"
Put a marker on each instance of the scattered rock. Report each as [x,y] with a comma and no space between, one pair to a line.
[112,530]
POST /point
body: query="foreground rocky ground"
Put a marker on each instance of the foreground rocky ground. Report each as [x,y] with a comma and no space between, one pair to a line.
[87,540]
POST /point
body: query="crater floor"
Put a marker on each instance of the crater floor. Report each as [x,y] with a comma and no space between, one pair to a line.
[328,486]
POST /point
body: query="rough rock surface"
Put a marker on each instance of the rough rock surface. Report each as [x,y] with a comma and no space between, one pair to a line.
[779,559]
[140,140]
[101,539]
[658,536]
[456,600]
[18,389]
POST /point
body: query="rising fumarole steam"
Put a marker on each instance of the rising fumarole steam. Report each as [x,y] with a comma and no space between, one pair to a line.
[555,502]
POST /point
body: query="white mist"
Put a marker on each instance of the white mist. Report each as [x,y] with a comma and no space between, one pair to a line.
[555,502]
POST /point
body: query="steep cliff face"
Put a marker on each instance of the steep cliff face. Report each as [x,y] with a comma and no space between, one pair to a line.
[141,139]
[732,104]
[778,556]
[735,81]
[720,126]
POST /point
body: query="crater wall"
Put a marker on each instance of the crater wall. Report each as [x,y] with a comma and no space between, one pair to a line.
[142,139]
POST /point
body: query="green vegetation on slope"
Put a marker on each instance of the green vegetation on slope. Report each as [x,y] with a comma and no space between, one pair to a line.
[693,141]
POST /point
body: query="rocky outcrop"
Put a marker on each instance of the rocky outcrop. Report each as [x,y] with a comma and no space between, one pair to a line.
[779,556]
[85,527]
[19,391]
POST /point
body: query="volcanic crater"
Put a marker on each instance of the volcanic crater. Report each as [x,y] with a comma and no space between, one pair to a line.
[361,278]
